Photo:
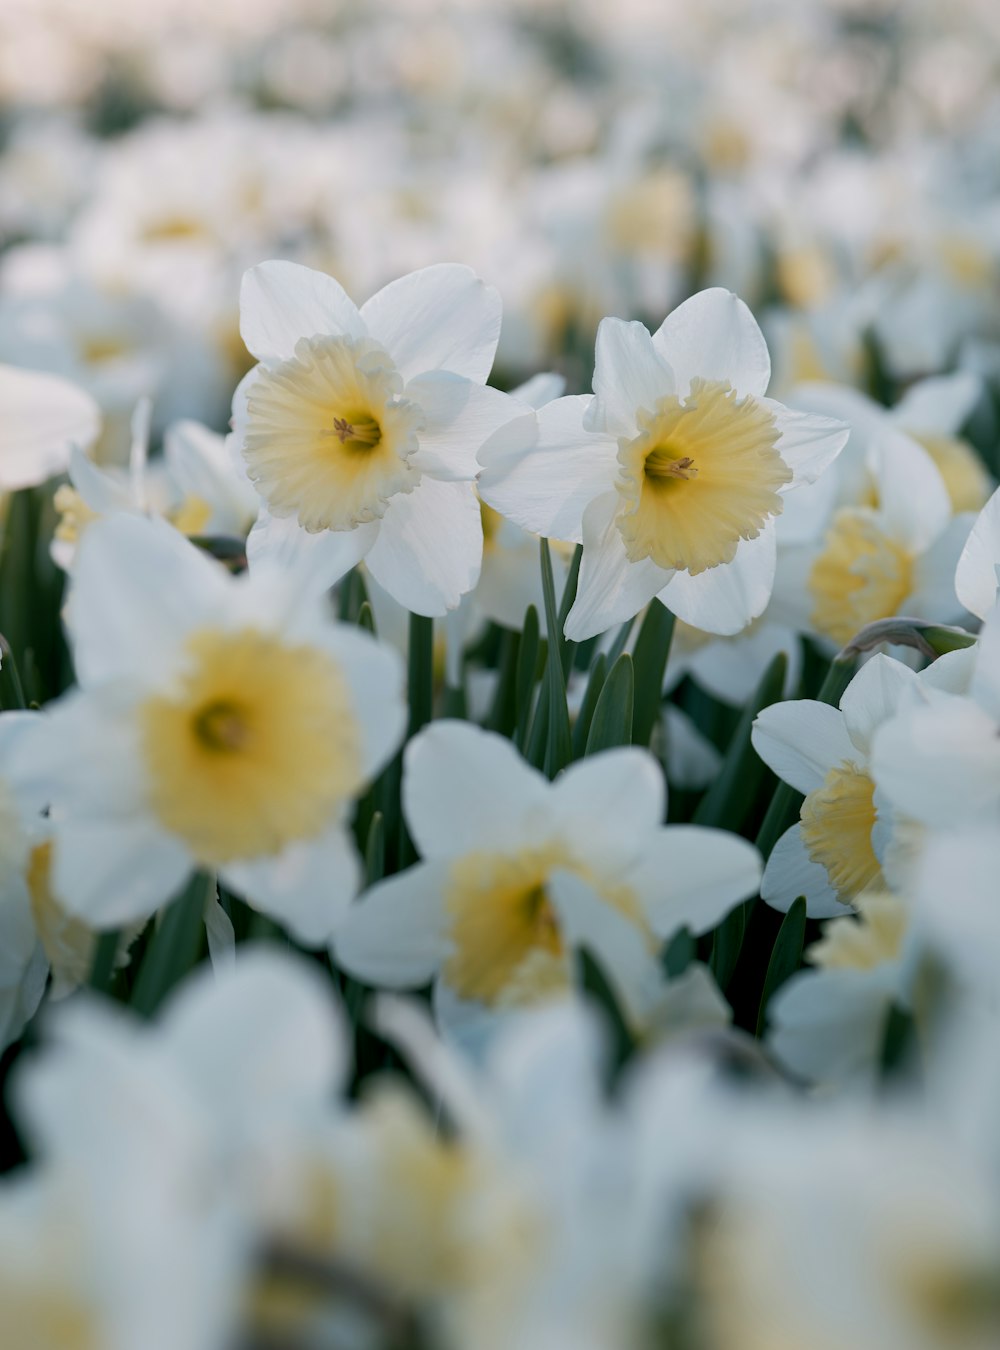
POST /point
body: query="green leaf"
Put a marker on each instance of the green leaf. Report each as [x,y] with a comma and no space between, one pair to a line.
[679,952]
[503,713]
[585,717]
[558,745]
[726,946]
[375,849]
[103,967]
[526,674]
[366,618]
[652,647]
[174,946]
[737,786]
[621,640]
[786,955]
[11,690]
[612,722]
[420,672]
[566,647]
[594,982]
[899,1044]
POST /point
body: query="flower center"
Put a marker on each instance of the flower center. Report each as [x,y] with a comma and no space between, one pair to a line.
[255,747]
[860,576]
[329,436]
[702,474]
[507,943]
[837,819]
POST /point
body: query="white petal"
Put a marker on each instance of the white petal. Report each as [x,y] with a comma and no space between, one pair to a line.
[440,318]
[713,335]
[828,1025]
[692,761]
[376,678]
[316,561]
[939,761]
[466,790]
[396,935]
[801,741]
[940,405]
[724,599]
[933,596]
[116,870]
[100,490]
[264,1036]
[459,417]
[984,685]
[609,805]
[790,872]
[611,589]
[628,375]
[163,587]
[540,389]
[307,888]
[281,302]
[873,696]
[430,546]
[42,417]
[547,487]
[693,876]
[913,499]
[808,444]
[976,573]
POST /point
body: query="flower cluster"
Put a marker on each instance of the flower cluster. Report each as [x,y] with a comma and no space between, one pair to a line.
[499,763]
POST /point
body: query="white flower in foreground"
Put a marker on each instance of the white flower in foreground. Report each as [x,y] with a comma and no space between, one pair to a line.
[840,844]
[976,573]
[42,417]
[502,850]
[360,428]
[221,722]
[672,474]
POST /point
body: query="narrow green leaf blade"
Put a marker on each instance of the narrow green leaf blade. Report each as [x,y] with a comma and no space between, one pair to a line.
[786,954]
[613,716]
[652,647]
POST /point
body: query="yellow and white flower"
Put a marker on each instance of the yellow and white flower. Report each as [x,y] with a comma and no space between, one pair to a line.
[672,474]
[221,723]
[44,417]
[484,913]
[359,428]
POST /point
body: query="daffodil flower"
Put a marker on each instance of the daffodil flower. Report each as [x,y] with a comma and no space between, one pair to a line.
[359,428]
[846,827]
[672,474]
[220,723]
[482,912]
[43,418]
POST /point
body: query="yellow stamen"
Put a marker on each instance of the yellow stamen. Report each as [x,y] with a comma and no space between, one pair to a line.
[702,474]
[860,576]
[837,819]
[254,748]
[330,437]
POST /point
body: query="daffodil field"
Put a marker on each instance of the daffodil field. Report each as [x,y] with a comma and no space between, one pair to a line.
[499,675]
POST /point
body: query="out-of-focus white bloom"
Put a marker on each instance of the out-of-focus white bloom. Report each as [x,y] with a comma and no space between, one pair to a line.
[44,417]
[844,837]
[828,1024]
[221,722]
[730,668]
[976,573]
[360,428]
[502,848]
[672,474]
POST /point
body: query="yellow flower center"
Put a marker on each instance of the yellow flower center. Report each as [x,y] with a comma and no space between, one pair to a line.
[329,436]
[965,477]
[492,520]
[256,746]
[860,576]
[865,942]
[837,819]
[702,474]
[74,514]
[68,943]
[192,515]
[507,944]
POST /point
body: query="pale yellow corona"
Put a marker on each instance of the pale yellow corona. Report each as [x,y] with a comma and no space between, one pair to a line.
[68,943]
[507,942]
[861,575]
[74,514]
[866,942]
[837,819]
[702,474]
[255,747]
[329,436]
[965,478]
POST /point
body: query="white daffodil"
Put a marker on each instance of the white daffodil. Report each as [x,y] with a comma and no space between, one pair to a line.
[976,575]
[846,832]
[44,417]
[827,1024]
[482,913]
[730,668]
[672,474]
[221,723]
[359,428]
[877,537]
